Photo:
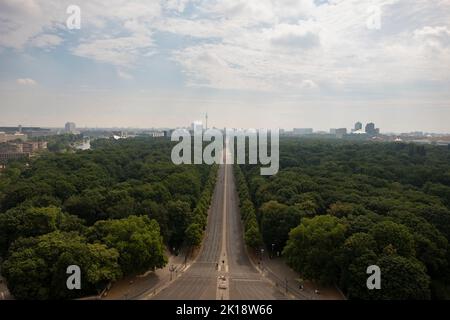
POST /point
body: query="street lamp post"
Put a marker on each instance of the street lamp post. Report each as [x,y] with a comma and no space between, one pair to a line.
[262,254]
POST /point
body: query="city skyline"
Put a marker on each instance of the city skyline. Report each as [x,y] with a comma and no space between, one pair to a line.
[350,129]
[284,63]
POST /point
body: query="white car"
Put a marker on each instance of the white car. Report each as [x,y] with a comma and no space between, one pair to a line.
[223,282]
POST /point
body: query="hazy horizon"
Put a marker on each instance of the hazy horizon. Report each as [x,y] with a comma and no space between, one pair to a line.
[269,63]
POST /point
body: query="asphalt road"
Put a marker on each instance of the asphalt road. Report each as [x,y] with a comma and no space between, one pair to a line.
[222,254]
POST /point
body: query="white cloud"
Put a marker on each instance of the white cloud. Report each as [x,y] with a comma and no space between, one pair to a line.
[269,45]
[119,30]
[434,36]
[308,84]
[124,75]
[120,51]
[295,36]
[26,82]
[19,21]
[273,45]
[176,5]
[46,41]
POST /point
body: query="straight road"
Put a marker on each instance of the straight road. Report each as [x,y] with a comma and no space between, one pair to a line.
[199,282]
[222,254]
[245,282]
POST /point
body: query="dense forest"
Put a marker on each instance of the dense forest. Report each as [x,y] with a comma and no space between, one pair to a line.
[337,207]
[110,210]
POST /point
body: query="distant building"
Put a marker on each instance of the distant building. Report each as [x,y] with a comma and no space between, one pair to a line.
[358,126]
[371,130]
[156,133]
[30,147]
[41,133]
[19,150]
[10,156]
[341,132]
[42,145]
[11,148]
[7,137]
[117,135]
[31,132]
[359,132]
[70,127]
[303,131]
[333,131]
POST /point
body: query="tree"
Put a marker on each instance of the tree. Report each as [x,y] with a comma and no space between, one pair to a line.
[179,216]
[31,221]
[277,220]
[390,233]
[36,268]
[252,236]
[393,197]
[403,279]
[88,205]
[137,239]
[358,252]
[340,209]
[313,247]
[194,235]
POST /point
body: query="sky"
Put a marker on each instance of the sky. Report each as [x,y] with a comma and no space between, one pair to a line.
[247,63]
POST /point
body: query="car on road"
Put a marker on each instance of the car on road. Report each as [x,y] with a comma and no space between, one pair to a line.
[223,283]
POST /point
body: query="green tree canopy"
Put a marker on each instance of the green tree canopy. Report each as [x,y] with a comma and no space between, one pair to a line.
[313,248]
[137,239]
[36,268]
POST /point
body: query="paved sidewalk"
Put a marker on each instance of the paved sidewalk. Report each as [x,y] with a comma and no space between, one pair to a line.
[134,287]
[283,276]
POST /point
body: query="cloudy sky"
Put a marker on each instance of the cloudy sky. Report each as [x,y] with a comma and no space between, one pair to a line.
[248,63]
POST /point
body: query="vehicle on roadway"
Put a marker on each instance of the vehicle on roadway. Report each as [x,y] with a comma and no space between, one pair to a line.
[223,282]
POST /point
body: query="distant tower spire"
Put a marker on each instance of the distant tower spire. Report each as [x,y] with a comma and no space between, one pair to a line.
[206,121]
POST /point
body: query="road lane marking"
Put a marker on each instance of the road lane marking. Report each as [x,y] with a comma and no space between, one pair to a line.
[221,292]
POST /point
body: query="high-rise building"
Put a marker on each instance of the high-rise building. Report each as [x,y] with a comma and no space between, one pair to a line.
[341,132]
[371,130]
[70,127]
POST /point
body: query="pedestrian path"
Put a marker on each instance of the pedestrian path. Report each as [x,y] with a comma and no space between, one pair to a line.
[291,282]
[136,286]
